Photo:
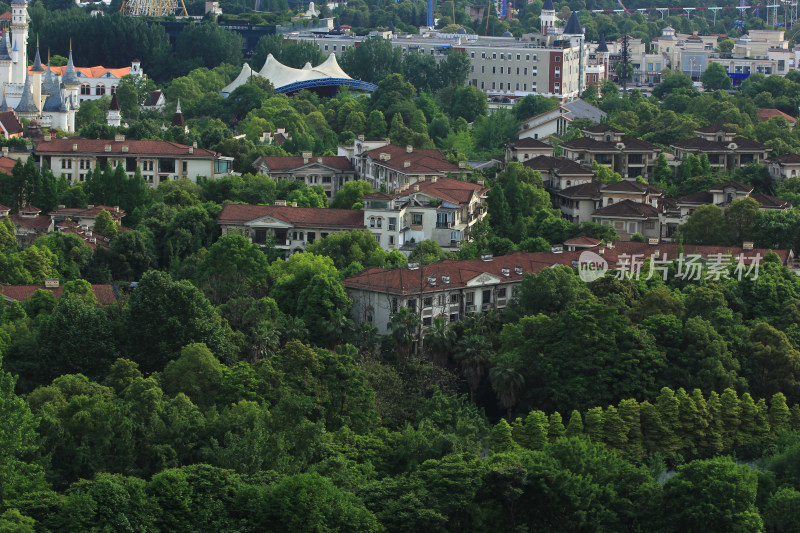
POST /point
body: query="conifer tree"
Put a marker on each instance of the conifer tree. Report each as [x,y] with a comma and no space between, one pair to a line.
[747,434]
[650,426]
[536,430]
[630,413]
[691,427]
[555,428]
[729,415]
[779,414]
[518,433]
[794,419]
[593,424]
[668,408]
[762,421]
[614,431]
[500,439]
[575,425]
[717,440]
[702,440]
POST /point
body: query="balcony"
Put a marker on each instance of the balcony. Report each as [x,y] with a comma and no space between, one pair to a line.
[444,225]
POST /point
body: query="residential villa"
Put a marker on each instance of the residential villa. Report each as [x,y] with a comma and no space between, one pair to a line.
[724,149]
[608,146]
[329,172]
[439,209]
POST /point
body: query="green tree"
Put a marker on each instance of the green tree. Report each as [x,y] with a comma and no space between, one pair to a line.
[705,226]
[196,373]
[104,225]
[351,194]
[507,379]
[715,77]
[713,494]
[232,267]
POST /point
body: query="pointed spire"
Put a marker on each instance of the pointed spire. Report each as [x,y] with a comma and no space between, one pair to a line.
[4,55]
[602,46]
[37,61]
[114,106]
[26,103]
[3,103]
[573,26]
[548,6]
[14,48]
[177,119]
[70,75]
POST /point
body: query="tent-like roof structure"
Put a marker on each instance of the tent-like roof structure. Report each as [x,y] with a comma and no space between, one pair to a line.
[288,80]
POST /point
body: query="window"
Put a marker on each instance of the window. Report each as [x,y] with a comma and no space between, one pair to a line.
[558,59]
[557,88]
[371,222]
[326,47]
[86,89]
[66,163]
[470,298]
[527,57]
[501,293]
[427,321]
[494,69]
[501,85]
[483,55]
[494,55]
[517,57]
[100,90]
[472,55]
[416,219]
[501,56]
[334,47]
[391,239]
[501,70]
[412,305]
[377,238]
[557,72]
[394,305]
[525,71]
[427,302]
[483,69]
[453,317]
[326,179]
[380,222]
[392,223]
[454,298]
[440,300]
[487,296]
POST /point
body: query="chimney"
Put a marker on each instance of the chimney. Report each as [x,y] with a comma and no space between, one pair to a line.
[434,179]
[124,149]
[306,157]
[294,204]
[194,145]
[406,163]
[462,164]
[116,209]
[90,206]
[416,188]
[88,233]
[319,160]
[486,257]
[62,206]
[409,148]
[481,183]
[360,137]
[51,283]
[119,138]
[47,137]
[747,245]
[75,147]
[108,148]
[191,150]
[280,203]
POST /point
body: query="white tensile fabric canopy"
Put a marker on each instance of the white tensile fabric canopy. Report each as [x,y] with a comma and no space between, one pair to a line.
[280,75]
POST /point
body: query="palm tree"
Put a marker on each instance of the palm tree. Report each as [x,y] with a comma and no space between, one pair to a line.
[403,324]
[472,352]
[293,328]
[338,328]
[440,339]
[507,380]
[265,341]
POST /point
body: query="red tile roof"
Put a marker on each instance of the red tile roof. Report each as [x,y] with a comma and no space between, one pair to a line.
[447,189]
[135,148]
[583,241]
[89,212]
[93,72]
[11,123]
[104,293]
[530,142]
[7,164]
[741,187]
[89,236]
[39,223]
[312,217]
[704,145]
[629,143]
[714,129]
[405,281]
[602,128]
[288,163]
[627,209]
[563,166]
[766,114]
[6,16]
[420,160]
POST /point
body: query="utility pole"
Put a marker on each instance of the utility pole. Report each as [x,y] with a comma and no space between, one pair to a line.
[625,58]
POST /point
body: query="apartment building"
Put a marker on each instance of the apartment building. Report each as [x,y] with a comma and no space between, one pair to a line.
[158,161]
[548,64]
[608,146]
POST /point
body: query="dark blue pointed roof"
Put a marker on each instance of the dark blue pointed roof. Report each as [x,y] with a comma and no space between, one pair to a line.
[37,63]
[70,76]
[602,46]
[573,26]
[4,51]
[548,6]
[26,103]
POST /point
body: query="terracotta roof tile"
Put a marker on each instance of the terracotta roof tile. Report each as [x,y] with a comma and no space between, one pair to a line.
[288,163]
[627,208]
[421,160]
[298,216]
[561,165]
[700,197]
[447,189]
[39,223]
[7,164]
[583,241]
[135,148]
[529,142]
[770,202]
[94,72]
[704,145]
[791,159]
[584,190]
[10,122]
[602,128]
[104,293]
[89,212]
[741,187]
[766,114]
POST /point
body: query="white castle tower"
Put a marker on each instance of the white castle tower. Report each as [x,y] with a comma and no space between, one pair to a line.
[547,18]
[19,36]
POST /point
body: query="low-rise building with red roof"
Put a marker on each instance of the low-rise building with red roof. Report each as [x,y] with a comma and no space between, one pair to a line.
[86,216]
[159,161]
[439,209]
[329,172]
[724,149]
[98,81]
[392,168]
[764,114]
[30,224]
[455,289]
[291,228]
[21,293]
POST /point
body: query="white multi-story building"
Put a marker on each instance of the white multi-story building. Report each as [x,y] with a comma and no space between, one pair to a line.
[158,161]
